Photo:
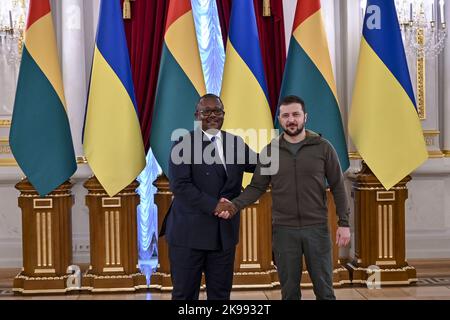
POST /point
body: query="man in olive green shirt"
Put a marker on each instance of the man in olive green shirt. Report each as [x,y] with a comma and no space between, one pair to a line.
[299,202]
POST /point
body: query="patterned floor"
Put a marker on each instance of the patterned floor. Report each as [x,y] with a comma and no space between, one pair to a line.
[441,284]
[435,281]
[433,284]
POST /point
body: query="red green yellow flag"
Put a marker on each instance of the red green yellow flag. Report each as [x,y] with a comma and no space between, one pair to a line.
[40,136]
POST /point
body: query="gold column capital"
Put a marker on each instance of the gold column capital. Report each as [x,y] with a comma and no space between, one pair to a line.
[266,8]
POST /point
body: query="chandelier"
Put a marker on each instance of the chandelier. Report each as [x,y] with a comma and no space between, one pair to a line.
[12,25]
[423,27]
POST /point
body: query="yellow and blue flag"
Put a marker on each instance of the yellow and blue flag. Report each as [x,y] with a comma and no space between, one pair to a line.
[384,124]
[113,142]
[244,88]
[40,136]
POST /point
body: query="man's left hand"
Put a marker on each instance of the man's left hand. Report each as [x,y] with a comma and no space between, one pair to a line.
[343,236]
[225,209]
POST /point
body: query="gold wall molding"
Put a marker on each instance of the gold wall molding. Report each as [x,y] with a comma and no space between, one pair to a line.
[5,149]
[81,160]
[354,156]
[435,154]
[421,89]
[11,162]
[5,123]
[8,163]
[431,132]
[431,140]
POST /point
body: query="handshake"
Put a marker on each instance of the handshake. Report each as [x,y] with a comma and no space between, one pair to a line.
[225,209]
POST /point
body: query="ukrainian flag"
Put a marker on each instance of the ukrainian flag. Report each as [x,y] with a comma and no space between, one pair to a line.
[40,136]
[180,81]
[384,124]
[112,137]
[244,89]
[309,75]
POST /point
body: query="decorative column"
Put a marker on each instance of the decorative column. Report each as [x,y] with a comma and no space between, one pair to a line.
[253,266]
[113,240]
[163,198]
[379,232]
[46,240]
[341,275]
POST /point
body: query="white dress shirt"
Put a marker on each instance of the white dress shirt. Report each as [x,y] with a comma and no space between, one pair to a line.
[218,140]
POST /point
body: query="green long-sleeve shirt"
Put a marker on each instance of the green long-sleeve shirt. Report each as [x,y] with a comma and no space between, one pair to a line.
[299,185]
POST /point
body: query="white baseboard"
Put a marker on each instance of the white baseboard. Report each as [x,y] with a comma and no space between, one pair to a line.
[428,244]
[10,253]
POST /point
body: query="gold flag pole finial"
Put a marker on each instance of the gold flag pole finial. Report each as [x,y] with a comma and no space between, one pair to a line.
[266,8]
[126,9]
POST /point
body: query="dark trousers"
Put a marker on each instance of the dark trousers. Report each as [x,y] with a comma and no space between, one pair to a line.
[289,245]
[187,265]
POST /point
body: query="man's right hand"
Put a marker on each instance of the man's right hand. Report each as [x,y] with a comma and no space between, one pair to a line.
[225,209]
[343,236]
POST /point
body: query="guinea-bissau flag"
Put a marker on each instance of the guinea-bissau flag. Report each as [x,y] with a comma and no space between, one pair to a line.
[180,81]
[40,136]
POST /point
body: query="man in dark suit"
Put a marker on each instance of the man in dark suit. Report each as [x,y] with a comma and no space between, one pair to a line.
[205,166]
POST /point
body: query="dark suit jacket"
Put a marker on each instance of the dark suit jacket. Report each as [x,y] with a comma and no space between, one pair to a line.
[197,188]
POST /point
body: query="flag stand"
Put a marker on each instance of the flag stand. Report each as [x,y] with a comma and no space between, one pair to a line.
[379,256]
[113,240]
[46,240]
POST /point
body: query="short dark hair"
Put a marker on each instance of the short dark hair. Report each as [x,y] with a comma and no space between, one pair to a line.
[209,96]
[292,99]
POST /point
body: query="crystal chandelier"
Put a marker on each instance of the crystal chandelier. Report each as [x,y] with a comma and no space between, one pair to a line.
[12,25]
[423,27]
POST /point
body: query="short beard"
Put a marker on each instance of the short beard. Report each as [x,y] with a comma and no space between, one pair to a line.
[296,132]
